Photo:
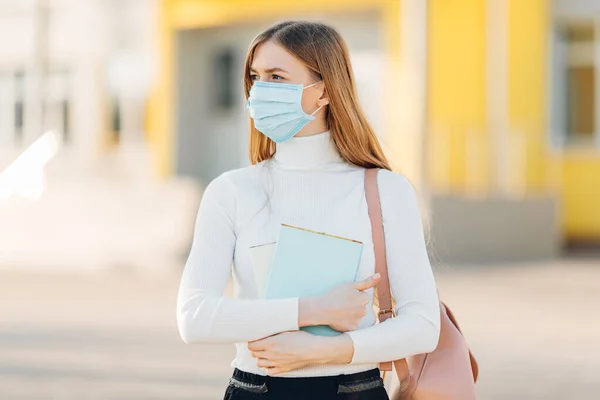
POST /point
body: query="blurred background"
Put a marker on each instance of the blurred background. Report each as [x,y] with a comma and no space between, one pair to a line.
[115,114]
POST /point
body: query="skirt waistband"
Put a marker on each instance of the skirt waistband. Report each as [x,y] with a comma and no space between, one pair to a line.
[343,378]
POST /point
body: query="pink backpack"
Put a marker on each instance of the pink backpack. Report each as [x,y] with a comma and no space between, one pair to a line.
[447,373]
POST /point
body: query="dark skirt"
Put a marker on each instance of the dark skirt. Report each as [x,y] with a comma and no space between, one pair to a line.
[366,385]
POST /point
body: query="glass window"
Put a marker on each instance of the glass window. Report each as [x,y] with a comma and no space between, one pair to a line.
[57,104]
[19,105]
[115,122]
[225,79]
[575,111]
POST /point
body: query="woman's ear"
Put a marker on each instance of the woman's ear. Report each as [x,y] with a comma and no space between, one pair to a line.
[324,98]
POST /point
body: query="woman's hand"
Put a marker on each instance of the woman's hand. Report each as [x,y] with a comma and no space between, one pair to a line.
[292,350]
[342,307]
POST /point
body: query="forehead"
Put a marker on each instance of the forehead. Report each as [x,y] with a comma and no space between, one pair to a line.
[270,55]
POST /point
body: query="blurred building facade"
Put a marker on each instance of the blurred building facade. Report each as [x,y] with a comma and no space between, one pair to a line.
[488,106]
[83,69]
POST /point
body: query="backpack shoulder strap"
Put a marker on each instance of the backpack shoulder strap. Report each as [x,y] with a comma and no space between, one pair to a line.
[373,202]
[384,295]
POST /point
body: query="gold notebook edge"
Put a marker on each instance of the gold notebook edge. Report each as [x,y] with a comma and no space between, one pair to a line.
[322,233]
[261,245]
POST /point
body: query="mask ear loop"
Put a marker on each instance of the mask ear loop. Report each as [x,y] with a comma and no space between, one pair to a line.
[316,111]
[311,85]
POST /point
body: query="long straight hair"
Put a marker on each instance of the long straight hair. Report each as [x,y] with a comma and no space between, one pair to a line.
[325,53]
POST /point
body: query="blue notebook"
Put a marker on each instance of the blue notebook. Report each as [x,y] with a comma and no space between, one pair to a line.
[308,263]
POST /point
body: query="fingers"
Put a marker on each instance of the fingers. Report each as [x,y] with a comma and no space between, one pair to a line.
[264,363]
[257,345]
[367,283]
[366,298]
[276,371]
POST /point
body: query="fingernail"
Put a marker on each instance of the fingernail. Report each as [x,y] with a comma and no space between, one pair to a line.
[376,276]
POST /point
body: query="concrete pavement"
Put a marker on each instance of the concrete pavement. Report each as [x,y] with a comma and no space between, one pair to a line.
[534,329]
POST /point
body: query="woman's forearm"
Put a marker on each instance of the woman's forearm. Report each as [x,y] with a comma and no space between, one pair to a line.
[333,350]
[310,312]
[326,350]
[211,319]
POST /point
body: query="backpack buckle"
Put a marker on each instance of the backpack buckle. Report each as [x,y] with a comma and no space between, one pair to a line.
[387,311]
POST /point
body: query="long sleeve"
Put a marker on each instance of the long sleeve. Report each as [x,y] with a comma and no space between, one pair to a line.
[204,315]
[415,329]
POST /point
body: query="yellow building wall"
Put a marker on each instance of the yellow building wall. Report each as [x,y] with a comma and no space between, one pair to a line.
[581,196]
[457,111]
[456,97]
[456,93]
[160,127]
[528,27]
[574,173]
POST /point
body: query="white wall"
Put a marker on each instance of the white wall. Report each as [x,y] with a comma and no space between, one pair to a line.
[90,39]
[97,208]
[580,8]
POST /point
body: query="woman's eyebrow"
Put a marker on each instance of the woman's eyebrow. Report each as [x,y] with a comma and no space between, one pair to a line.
[271,70]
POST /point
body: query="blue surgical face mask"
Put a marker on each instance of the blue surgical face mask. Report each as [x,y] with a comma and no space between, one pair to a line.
[277,109]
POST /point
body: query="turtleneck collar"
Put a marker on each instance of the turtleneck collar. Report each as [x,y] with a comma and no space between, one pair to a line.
[308,152]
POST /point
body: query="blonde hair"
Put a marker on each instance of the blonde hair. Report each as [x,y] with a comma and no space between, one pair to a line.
[325,54]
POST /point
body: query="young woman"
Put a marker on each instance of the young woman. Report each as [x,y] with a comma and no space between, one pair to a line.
[309,145]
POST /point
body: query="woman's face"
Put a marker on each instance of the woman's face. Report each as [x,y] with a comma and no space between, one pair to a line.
[272,63]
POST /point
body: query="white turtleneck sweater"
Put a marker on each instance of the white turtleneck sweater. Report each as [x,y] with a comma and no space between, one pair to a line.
[306,184]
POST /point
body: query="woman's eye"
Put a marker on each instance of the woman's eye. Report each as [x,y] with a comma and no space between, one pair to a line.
[254,77]
[276,77]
